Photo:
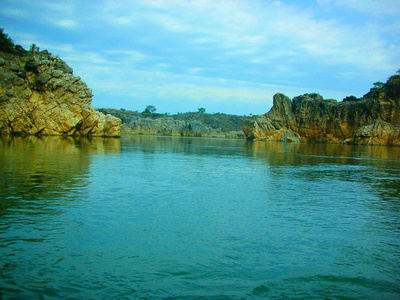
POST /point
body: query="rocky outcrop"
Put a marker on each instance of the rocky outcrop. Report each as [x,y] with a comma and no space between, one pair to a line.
[147,126]
[171,127]
[39,95]
[378,133]
[373,119]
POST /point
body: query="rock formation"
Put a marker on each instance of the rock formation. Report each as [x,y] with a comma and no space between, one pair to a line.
[171,127]
[40,96]
[374,119]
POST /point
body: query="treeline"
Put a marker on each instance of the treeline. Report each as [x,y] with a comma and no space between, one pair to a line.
[217,121]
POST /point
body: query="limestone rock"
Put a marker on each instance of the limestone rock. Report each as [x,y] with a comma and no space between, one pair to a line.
[378,133]
[281,112]
[373,119]
[39,95]
[195,128]
[165,126]
[264,128]
[169,126]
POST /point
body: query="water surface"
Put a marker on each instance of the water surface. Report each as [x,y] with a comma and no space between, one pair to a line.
[194,218]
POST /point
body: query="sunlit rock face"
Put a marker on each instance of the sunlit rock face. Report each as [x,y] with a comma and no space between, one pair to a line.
[374,119]
[39,95]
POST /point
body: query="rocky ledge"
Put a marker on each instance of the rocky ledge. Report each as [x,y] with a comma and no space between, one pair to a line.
[373,119]
[39,95]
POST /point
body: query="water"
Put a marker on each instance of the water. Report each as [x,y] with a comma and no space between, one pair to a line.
[189,218]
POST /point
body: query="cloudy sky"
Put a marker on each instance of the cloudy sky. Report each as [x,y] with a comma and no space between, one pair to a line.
[227,56]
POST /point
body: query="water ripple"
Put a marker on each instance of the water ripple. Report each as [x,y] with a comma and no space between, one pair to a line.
[171,218]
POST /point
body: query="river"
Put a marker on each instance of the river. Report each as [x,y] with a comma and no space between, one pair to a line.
[146,217]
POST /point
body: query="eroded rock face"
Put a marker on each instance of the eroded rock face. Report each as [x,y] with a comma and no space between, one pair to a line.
[39,95]
[378,133]
[373,119]
[165,126]
[171,127]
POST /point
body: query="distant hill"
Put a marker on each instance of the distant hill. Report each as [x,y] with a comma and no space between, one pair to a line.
[199,123]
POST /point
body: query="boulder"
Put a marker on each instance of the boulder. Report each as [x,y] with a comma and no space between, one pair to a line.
[378,133]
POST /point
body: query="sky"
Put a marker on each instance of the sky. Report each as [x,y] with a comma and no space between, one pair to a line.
[228,56]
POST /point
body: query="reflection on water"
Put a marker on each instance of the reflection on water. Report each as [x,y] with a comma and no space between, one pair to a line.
[274,153]
[305,151]
[37,169]
[353,158]
[145,217]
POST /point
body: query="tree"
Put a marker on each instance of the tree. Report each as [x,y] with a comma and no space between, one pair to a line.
[378,84]
[149,110]
[392,86]
[375,91]
[201,110]
[34,48]
[350,99]
[6,44]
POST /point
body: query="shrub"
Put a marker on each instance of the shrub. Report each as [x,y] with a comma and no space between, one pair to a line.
[6,44]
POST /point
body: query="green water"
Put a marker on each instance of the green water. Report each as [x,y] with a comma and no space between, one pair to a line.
[191,218]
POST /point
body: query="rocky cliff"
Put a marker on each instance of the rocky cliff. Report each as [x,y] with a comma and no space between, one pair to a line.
[171,127]
[192,124]
[39,95]
[373,119]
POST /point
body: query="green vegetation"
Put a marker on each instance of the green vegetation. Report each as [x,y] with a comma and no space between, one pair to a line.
[126,116]
[34,48]
[6,43]
[149,111]
[391,88]
[351,99]
[224,122]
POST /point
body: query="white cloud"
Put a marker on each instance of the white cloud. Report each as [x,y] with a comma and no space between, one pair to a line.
[12,12]
[129,55]
[61,7]
[161,85]
[180,47]
[122,21]
[255,27]
[212,93]
[371,7]
[273,37]
[66,24]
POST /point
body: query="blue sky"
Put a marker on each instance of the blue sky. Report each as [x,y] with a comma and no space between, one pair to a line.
[227,56]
